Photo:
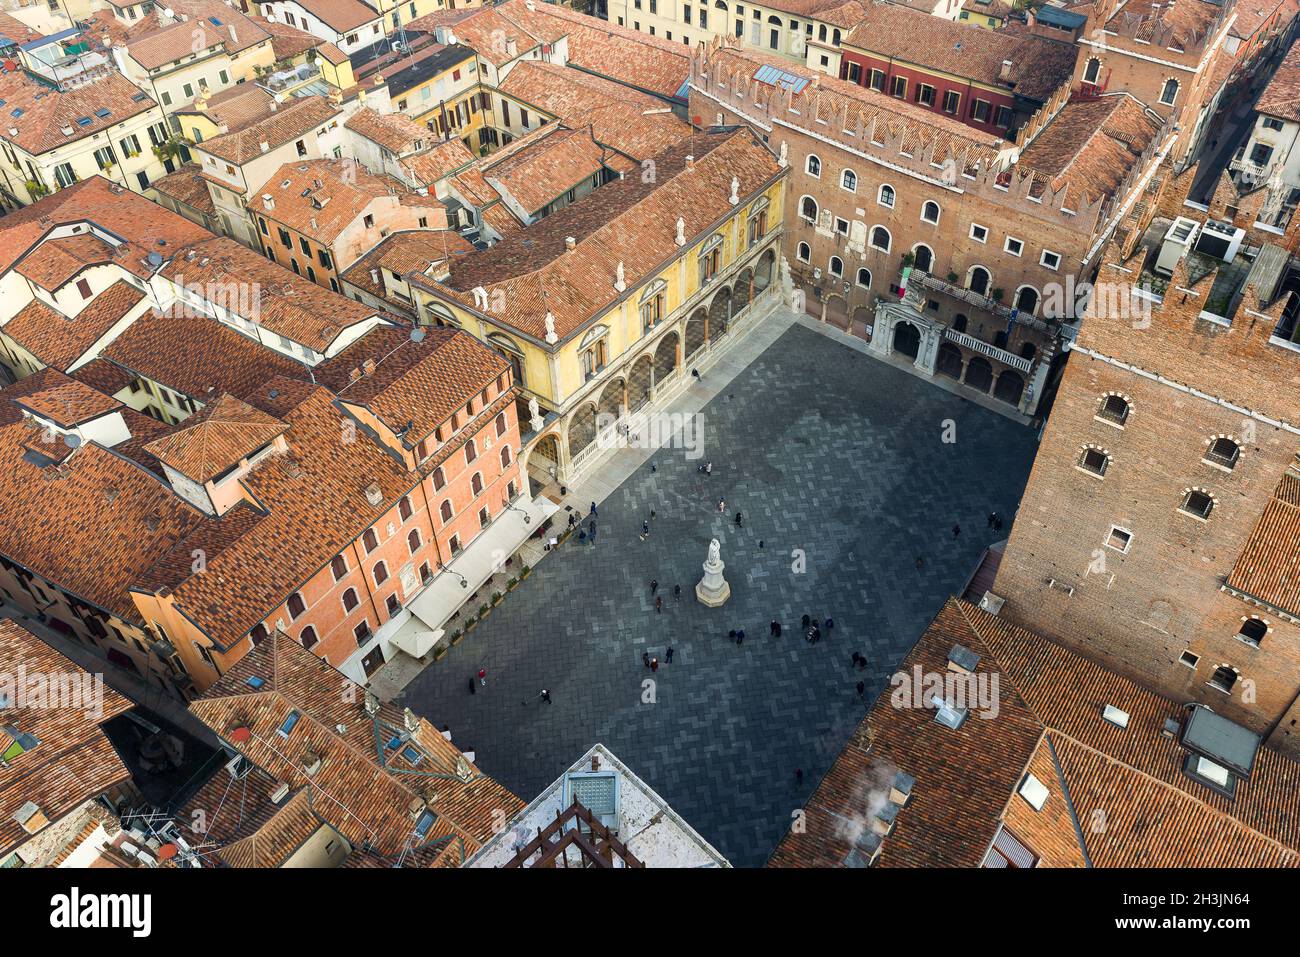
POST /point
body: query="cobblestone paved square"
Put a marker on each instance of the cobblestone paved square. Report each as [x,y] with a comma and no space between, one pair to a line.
[823,450]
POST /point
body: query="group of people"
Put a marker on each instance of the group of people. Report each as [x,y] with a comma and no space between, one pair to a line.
[653,662]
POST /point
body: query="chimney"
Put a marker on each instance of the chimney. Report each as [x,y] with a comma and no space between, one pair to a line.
[1005,73]
[264,146]
[374,277]
[900,791]
[267,199]
[886,817]
[374,494]
[962,660]
[690,162]
[368,367]
[570,242]
[512,48]
[234,38]
[31,817]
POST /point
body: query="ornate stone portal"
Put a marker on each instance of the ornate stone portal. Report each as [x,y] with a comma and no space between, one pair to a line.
[713,590]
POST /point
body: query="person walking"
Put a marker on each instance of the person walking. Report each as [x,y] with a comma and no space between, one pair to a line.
[546,696]
[806,622]
[654,585]
[677,593]
[645,529]
[862,689]
[856,658]
[668,655]
[775,628]
[482,677]
[993,517]
[722,505]
[997,523]
[798,776]
[654,664]
[645,658]
[740,635]
[739,521]
[956,531]
[593,509]
[659,604]
[695,373]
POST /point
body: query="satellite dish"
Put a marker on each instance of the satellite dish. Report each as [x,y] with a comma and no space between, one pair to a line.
[155,260]
[417,335]
[72,441]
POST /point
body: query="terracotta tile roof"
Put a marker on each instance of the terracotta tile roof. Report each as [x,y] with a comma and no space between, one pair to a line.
[234,108]
[283,834]
[144,226]
[225,431]
[396,132]
[1049,722]
[107,29]
[11,28]
[1091,145]
[364,791]
[103,375]
[415,384]
[629,221]
[1039,65]
[636,124]
[442,160]
[560,160]
[844,15]
[290,122]
[187,187]
[598,46]
[322,198]
[484,30]
[1268,568]
[289,42]
[197,356]
[64,401]
[1188,22]
[206,25]
[59,341]
[93,525]
[1281,97]
[407,251]
[73,762]
[343,15]
[47,112]
[283,302]
[60,260]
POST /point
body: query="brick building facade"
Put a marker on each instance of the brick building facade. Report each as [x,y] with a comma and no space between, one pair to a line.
[1160,531]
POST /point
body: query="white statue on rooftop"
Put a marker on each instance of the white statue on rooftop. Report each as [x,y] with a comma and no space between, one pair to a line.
[551,337]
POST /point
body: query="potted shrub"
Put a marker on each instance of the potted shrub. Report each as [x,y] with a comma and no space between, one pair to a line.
[525,570]
[997,295]
[512,583]
[952,277]
[470,622]
[909,258]
[483,611]
[496,598]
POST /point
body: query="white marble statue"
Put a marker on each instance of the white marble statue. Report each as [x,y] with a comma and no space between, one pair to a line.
[551,337]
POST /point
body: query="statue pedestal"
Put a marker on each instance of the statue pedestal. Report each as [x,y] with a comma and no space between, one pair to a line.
[713,590]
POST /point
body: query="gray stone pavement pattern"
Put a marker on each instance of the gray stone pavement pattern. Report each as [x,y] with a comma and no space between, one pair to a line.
[823,450]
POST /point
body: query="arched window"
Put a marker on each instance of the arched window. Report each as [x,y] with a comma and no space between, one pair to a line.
[308,637]
[413,540]
[837,266]
[880,239]
[370,540]
[445,510]
[506,348]
[1223,451]
[1094,460]
[1169,92]
[959,323]
[814,165]
[1253,631]
[1027,299]
[1198,503]
[1114,409]
[805,253]
[978,280]
[924,257]
[339,566]
[439,478]
[886,196]
[505,457]
[930,211]
[296,605]
[849,180]
[404,507]
[471,451]
[821,33]
[476,483]
[1092,71]
[1225,676]
[350,599]
[501,424]
[808,209]
[864,278]
[381,573]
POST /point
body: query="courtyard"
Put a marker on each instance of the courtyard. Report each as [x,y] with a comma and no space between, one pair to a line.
[840,467]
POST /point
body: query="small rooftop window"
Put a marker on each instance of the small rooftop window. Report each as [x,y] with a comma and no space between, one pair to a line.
[289,724]
[1034,792]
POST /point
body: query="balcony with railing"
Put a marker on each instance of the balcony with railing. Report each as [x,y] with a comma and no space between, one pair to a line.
[1019,363]
[979,301]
